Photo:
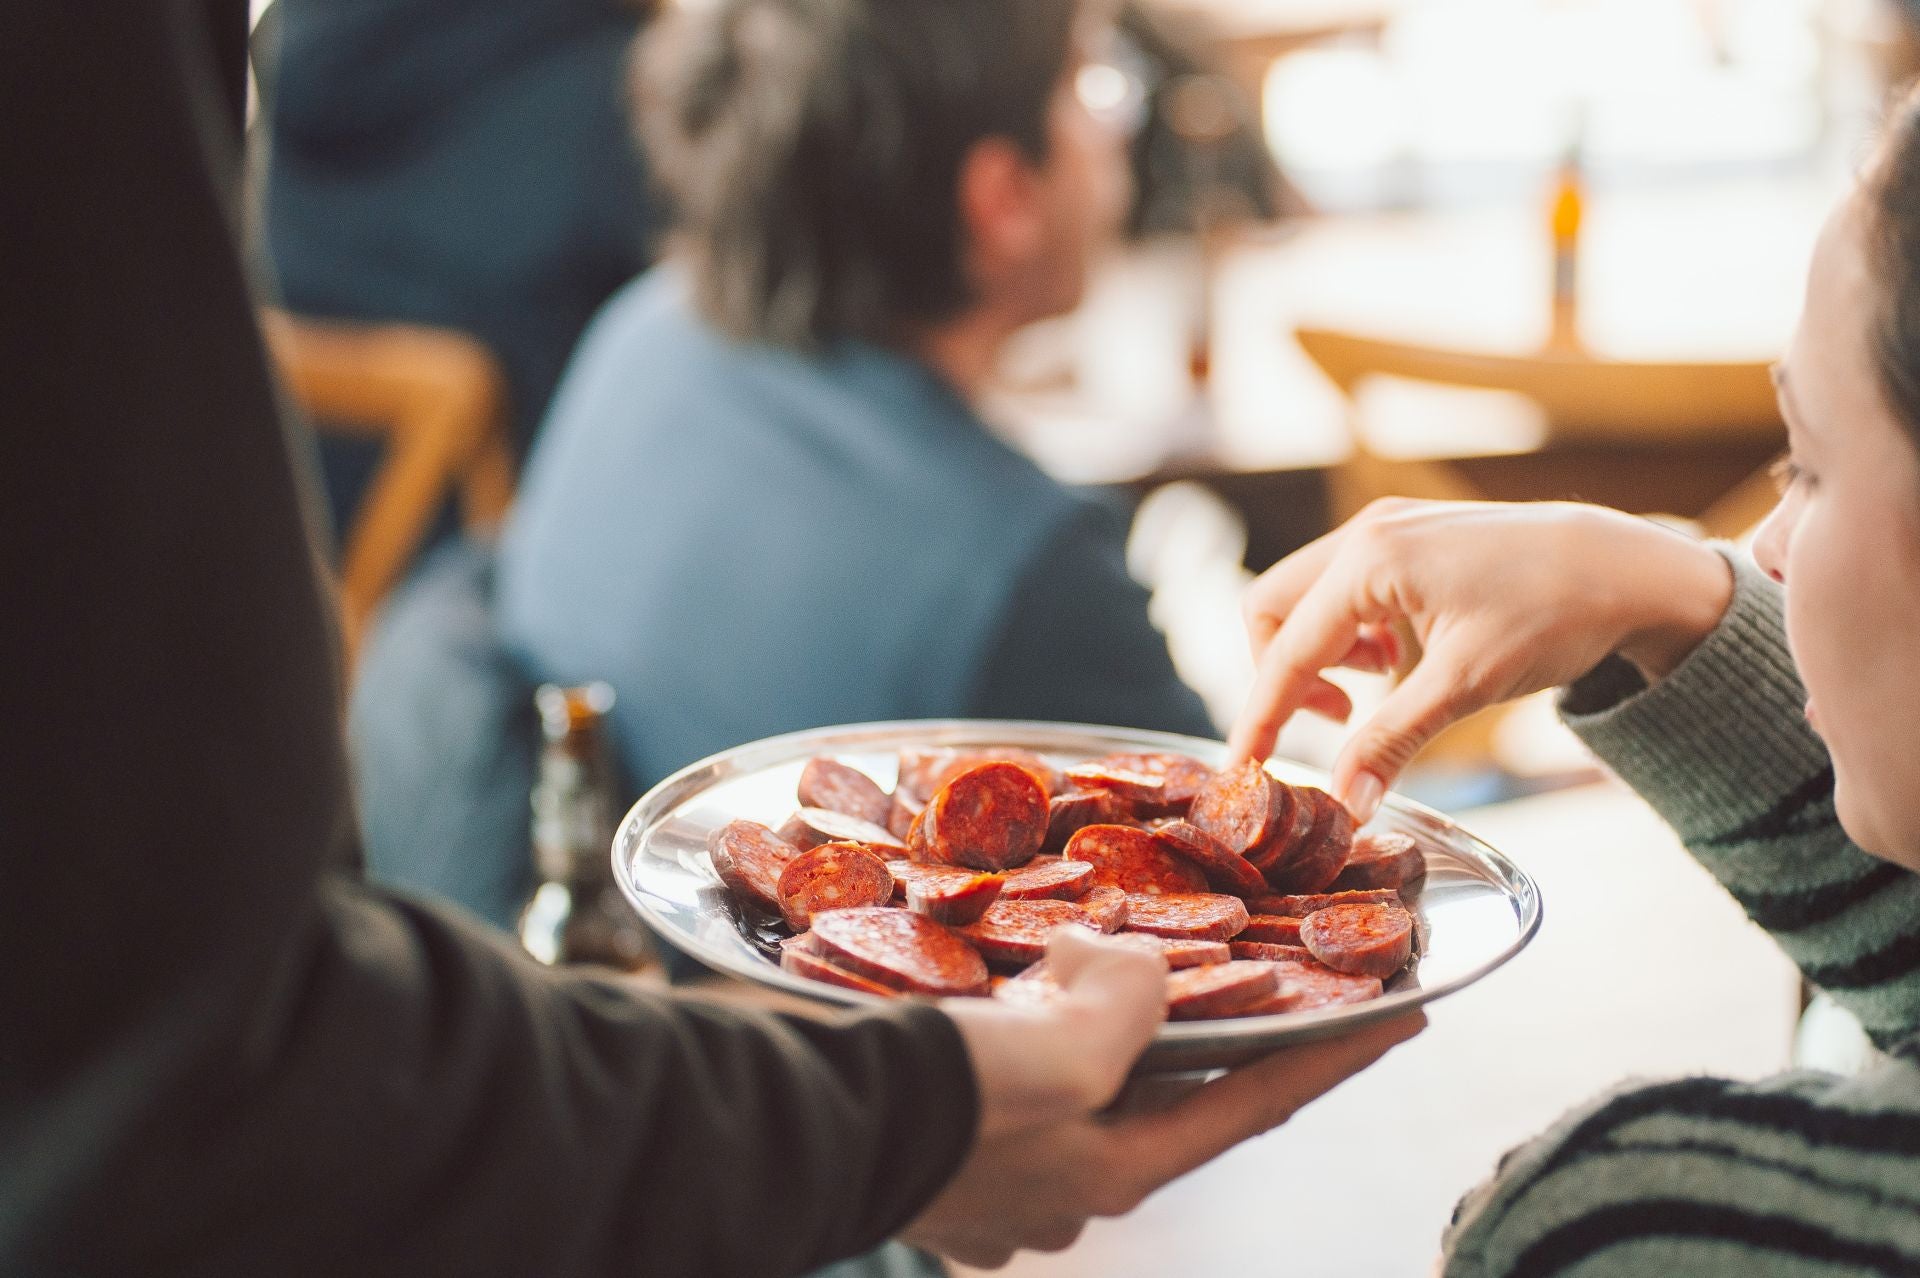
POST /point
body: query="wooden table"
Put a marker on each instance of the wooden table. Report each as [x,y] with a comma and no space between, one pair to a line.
[1643,968]
[1690,273]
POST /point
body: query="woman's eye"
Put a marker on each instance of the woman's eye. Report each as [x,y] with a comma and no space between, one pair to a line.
[1788,475]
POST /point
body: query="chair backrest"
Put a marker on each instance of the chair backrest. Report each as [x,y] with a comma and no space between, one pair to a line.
[436,400]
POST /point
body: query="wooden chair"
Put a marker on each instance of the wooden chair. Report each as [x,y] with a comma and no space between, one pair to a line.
[1668,437]
[436,400]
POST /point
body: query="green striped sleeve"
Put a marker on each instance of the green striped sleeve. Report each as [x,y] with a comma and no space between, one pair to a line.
[1804,1175]
[1722,751]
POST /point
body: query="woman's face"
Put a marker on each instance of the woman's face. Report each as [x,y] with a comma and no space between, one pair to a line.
[1845,539]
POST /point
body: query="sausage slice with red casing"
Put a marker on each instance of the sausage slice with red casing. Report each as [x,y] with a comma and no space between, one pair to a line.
[1226,870]
[1323,853]
[955,903]
[1241,807]
[1176,951]
[830,784]
[1301,905]
[1016,932]
[1360,940]
[802,962]
[1139,790]
[1183,776]
[749,857]
[1133,860]
[1290,830]
[1105,906]
[810,827]
[900,949]
[1218,989]
[990,817]
[1269,952]
[833,876]
[1075,810]
[1049,876]
[1305,987]
[1277,929]
[1195,916]
[1390,860]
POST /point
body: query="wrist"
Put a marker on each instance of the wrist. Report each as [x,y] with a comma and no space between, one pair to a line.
[1681,589]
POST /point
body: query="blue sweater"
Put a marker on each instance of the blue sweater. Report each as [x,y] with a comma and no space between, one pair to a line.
[747,541]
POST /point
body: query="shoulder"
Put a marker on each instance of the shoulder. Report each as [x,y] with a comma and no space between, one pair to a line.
[1707,1176]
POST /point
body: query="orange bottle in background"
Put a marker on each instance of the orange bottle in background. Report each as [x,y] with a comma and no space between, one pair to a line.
[1567,210]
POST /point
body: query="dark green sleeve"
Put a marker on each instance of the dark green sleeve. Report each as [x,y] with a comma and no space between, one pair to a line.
[1075,643]
[220,1052]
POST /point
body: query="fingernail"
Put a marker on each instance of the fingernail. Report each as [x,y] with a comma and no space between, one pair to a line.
[1363,796]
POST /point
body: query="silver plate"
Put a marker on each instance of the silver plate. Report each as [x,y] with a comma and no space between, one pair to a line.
[1476,911]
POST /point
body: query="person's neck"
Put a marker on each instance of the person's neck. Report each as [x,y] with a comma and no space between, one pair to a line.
[963,351]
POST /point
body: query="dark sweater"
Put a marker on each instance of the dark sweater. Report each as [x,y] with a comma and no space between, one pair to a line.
[221,1052]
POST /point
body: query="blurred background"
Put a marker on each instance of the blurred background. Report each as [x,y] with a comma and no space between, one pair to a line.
[1513,249]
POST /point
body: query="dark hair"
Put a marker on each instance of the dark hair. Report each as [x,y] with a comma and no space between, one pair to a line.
[1893,191]
[811,150]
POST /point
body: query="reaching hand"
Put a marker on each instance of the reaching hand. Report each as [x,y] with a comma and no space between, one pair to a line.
[1047,1161]
[1504,600]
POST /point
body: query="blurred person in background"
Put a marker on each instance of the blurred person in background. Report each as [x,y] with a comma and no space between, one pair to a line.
[764,499]
[459,164]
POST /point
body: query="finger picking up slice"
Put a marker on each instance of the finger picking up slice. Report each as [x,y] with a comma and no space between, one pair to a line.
[1361,940]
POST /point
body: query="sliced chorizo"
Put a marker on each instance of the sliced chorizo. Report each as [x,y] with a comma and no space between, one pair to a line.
[1226,870]
[1178,952]
[833,876]
[1241,807]
[902,810]
[1218,989]
[1015,932]
[802,962]
[810,827]
[1290,830]
[1360,940]
[749,858]
[1049,876]
[1279,929]
[1138,790]
[1075,810]
[1182,776]
[989,817]
[1306,987]
[955,903]
[1301,905]
[1390,860]
[922,772]
[1133,860]
[1269,952]
[900,949]
[1195,916]
[1324,851]
[1106,907]
[831,784]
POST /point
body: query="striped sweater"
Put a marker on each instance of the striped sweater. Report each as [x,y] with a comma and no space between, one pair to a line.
[1803,1174]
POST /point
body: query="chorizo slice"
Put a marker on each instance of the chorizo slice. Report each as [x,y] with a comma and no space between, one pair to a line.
[1015,932]
[1106,907]
[1138,790]
[1133,860]
[831,784]
[1391,860]
[1290,830]
[1240,807]
[1276,929]
[833,876]
[1218,989]
[1306,987]
[1075,810]
[749,857]
[1176,951]
[955,904]
[1323,853]
[810,827]
[1226,870]
[1268,952]
[922,772]
[1360,940]
[989,817]
[1183,776]
[902,810]
[1301,905]
[1193,916]
[802,962]
[901,950]
[907,874]
[1049,876]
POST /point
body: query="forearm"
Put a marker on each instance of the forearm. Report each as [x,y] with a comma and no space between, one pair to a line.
[1721,749]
